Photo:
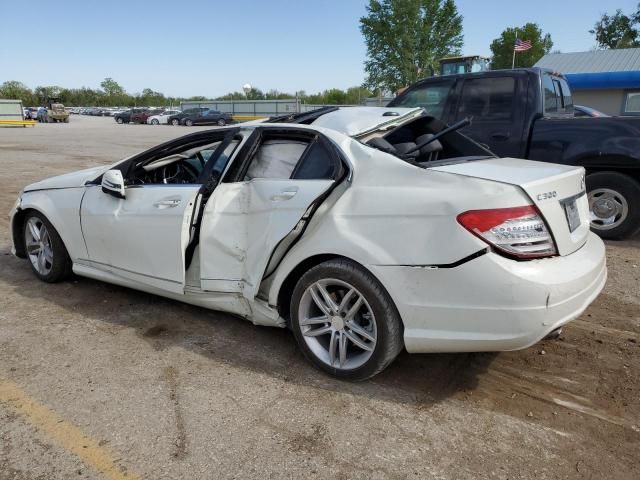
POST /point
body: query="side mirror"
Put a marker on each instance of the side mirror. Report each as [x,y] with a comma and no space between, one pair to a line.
[113,183]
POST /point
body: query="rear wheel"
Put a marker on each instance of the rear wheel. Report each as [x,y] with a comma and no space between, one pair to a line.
[222,122]
[119,120]
[155,122]
[614,204]
[47,254]
[188,122]
[345,321]
[175,122]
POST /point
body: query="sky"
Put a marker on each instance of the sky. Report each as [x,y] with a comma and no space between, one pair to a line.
[198,47]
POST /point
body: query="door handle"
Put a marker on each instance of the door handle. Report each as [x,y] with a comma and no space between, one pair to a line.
[285,195]
[167,203]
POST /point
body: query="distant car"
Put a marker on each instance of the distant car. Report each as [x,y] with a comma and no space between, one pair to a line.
[582,111]
[201,116]
[126,115]
[142,117]
[162,118]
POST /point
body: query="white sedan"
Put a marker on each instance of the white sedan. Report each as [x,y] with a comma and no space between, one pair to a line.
[163,118]
[365,230]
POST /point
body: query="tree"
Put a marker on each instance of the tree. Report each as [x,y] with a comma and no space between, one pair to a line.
[14,90]
[406,38]
[617,30]
[112,88]
[502,47]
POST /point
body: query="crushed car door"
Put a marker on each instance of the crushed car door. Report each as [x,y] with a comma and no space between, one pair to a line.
[274,194]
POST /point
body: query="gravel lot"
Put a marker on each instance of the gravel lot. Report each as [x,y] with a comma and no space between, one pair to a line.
[98,381]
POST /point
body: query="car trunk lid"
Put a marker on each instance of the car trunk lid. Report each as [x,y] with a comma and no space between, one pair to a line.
[558,191]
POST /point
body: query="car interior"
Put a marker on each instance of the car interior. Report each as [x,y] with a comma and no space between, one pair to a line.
[182,167]
[435,148]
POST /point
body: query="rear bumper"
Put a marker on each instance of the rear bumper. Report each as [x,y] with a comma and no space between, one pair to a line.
[492,303]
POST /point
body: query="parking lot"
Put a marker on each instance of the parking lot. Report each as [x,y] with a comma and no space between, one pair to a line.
[99,381]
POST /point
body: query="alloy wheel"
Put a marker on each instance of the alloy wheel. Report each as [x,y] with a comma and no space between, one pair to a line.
[607,208]
[39,248]
[337,323]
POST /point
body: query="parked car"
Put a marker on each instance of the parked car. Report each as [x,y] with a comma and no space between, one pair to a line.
[582,111]
[368,231]
[141,117]
[162,118]
[201,116]
[126,115]
[529,113]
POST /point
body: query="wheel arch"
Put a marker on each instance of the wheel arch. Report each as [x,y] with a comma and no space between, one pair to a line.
[284,289]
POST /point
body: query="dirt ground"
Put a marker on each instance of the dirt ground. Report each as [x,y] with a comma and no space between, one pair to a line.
[98,381]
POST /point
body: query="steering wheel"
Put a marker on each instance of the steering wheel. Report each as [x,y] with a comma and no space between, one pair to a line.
[184,173]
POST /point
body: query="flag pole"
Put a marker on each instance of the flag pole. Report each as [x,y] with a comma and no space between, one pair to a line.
[513,60]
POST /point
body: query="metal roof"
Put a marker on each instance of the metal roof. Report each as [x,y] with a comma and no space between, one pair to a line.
[622,60]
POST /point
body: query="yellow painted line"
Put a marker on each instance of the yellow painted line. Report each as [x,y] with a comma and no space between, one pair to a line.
[61,431]
[246,118]
[17,122]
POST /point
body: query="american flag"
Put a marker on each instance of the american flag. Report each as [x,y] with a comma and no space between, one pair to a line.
[522,45]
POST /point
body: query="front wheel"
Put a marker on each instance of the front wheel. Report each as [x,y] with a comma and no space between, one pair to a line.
[119,120]
[344,321]
[614,204]
[47,254]
[188,122]
[222,122]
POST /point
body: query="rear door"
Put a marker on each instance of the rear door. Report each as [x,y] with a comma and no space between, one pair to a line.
[266,206]
[493,103]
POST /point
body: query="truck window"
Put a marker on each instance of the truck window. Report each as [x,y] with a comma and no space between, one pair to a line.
[550,97]
[432,98]
[564,94]
[489,98]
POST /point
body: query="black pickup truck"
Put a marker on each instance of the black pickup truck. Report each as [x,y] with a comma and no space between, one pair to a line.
[528,113]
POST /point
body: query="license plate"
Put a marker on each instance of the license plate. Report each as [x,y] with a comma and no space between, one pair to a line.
[572,213]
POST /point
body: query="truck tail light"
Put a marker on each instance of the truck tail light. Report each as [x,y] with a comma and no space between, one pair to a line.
[518,232]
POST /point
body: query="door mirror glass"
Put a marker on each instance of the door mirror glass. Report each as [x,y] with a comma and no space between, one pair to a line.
[113,183]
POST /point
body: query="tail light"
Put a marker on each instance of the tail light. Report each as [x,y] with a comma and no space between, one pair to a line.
[518,232]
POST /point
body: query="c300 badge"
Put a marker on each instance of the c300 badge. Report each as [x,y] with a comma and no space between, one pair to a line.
[547,195]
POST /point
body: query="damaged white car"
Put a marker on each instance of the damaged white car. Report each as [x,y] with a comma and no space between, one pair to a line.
[365,230]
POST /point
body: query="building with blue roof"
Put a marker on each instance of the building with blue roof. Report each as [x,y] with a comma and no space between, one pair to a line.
[607,80]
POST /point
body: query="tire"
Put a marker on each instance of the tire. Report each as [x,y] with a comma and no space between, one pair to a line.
[175,122]
[51,268]
[221,122]
[155,122]
[188,122]
[119,120]
[66,120]
[376,317]
[614,204]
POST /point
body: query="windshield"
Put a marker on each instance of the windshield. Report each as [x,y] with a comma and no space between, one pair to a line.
[431,96]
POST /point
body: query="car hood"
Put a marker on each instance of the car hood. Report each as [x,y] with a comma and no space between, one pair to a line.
[68,180]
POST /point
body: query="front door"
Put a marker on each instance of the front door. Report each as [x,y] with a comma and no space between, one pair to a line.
[143,236]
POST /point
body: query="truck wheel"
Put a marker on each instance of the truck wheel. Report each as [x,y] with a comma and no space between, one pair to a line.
[614,204]
[344,321]
[222,122]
